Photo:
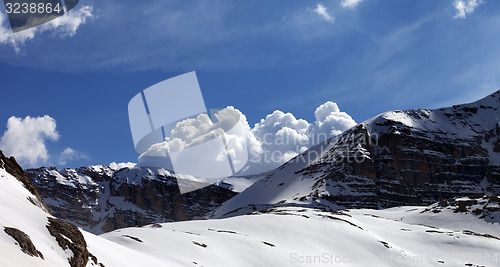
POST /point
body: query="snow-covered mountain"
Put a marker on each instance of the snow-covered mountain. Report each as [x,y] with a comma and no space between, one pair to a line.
[412,157]
[455,232]
[100,199]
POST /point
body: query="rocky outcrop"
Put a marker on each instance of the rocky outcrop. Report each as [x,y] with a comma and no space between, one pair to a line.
[24,241]
[485,207]
[100,199]
[69,237]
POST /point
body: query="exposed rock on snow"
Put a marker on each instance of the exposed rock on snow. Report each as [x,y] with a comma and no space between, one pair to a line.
[24,241]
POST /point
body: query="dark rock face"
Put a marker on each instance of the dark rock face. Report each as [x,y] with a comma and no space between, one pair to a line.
[414,157]
[100,199]
[24,241]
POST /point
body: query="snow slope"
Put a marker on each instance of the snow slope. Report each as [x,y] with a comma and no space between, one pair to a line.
[294,236]
[20,209]
[280,236]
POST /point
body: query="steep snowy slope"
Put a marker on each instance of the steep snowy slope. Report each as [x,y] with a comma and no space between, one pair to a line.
[413,157]
[100,199]
[30,235]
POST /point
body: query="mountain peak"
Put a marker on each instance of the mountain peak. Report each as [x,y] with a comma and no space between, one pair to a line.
[411,157]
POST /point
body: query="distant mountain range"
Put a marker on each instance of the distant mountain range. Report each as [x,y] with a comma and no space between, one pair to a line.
[412,157]
[101,199]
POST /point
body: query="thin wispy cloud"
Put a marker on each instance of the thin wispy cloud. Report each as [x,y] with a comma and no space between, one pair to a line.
[350,3]
[322,11]
[66,25]
[196,35]
[194,39]
[465,8]
[70,154]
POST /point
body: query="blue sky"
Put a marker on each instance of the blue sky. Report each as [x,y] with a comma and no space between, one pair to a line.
[257,56]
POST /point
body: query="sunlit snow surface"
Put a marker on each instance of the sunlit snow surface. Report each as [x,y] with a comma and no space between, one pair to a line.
[292,236]
[285,236]
[18,212]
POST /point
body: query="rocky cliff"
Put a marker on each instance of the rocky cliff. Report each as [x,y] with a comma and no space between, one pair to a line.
[100,199]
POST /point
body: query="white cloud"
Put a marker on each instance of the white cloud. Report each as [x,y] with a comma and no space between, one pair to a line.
[25,138]
[270,143]
[64,25]
[350,3]
[283,136]
[465,8]
[330,120]
[117,166]
[280,134]
[70,154]
[195,131]
[322,11]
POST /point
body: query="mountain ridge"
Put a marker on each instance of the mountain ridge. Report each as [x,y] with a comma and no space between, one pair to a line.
[100,199]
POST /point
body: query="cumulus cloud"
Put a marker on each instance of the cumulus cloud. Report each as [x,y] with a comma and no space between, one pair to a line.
[229,122]
[350,3]
[322,11]
[70,154]
[465,7]
[25,138]
[330,121]
[274,140]
[282,136]
[65,25]
[117,166]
